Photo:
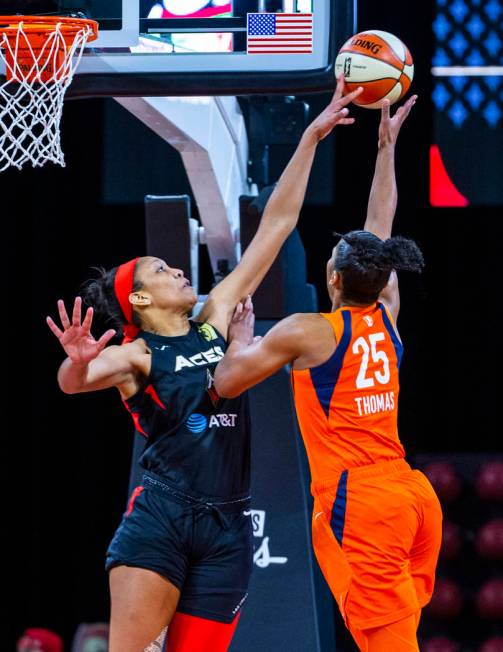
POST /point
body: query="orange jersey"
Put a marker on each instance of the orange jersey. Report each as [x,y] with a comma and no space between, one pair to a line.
[347,407]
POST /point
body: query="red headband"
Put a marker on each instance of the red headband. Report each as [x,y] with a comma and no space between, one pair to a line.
[123,286]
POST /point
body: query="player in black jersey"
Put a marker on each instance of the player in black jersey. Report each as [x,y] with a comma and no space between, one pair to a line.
[182,554]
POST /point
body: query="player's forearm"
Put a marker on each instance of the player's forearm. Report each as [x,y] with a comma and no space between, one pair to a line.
[383,194]
[232,371]
[72,377]
[286,201]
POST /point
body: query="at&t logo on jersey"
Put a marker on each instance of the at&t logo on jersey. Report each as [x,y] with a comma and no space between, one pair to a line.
[198,423]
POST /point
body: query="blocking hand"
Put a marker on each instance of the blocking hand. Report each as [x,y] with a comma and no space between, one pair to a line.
[75,338]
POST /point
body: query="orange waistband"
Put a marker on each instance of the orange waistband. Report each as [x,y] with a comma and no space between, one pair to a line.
[371,470]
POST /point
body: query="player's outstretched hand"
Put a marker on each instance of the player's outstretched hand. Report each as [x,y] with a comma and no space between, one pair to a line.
[389,127]
[242,324]
[335,113]
[75,338]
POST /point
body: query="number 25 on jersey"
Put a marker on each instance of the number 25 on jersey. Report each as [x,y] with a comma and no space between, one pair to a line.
[368,348]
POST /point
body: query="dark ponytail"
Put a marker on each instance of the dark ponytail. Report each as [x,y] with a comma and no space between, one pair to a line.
[100,294]
[403,254]
[366,262]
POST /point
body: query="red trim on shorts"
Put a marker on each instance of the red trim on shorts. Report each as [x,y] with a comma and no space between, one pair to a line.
[193,634]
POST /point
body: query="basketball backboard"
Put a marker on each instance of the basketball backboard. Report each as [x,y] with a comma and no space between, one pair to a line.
[201,47]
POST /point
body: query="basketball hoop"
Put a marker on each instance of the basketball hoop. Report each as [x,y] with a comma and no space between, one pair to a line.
[41,54]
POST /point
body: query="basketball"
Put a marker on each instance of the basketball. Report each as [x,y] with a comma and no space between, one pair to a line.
[379,62]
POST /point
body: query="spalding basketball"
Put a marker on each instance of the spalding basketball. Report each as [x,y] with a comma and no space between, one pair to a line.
[379,62]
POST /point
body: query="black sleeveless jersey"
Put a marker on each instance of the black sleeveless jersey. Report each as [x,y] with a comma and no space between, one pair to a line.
[194,439]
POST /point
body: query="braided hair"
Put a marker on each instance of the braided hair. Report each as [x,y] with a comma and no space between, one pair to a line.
[100,294]
[366,262]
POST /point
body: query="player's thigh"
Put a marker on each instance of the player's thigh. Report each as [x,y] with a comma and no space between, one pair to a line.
[142,603]
[216,585]
[378,507]
[380,525]
[426,546]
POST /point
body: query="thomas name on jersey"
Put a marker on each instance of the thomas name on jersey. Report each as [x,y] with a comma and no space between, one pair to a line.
[374,403]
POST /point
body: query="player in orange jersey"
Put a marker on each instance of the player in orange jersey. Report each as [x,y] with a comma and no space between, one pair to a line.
[376,522]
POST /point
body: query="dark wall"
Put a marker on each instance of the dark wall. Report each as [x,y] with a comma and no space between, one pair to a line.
[67,457]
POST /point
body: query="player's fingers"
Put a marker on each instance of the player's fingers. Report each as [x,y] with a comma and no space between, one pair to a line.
[344,101]
[248,315]
[347,121]
[248,303]
[88,320]
[238,311]
[57,331]
[401,113]
[339,89]
[77,310]
[257,338]
[385,110]
[63,315]
[105,338]
[340,116]
[407,107]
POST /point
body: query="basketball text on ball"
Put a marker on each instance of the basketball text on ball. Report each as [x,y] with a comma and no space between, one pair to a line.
[368,45]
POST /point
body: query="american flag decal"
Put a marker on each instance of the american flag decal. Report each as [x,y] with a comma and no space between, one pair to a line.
[280,33]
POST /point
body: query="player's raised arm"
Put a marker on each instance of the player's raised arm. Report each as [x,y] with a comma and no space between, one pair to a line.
[383,194]
[280,216]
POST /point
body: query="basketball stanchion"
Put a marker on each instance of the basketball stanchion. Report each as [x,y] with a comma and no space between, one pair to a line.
[41,54]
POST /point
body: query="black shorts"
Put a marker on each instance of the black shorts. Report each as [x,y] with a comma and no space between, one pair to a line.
[202,547]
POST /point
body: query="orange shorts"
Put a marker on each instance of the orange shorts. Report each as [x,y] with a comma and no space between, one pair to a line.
[376,535]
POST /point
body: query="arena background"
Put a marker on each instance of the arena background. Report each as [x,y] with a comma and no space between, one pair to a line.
[67,457]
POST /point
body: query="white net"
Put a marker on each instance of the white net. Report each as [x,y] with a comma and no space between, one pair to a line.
[31,98]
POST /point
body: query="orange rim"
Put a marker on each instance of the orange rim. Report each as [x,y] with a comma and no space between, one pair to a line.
[36,25]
